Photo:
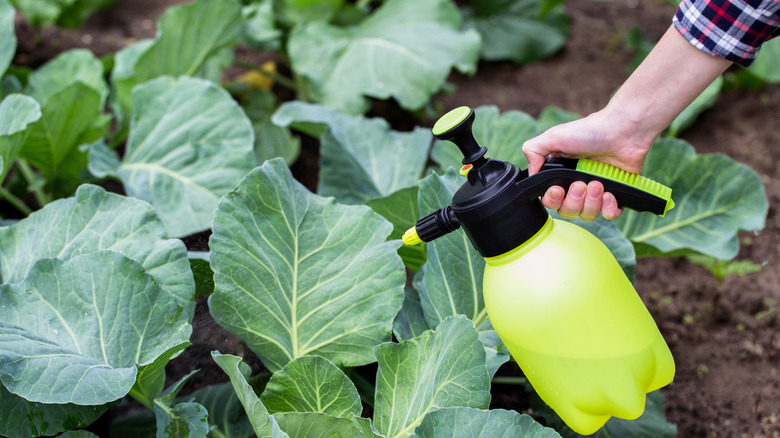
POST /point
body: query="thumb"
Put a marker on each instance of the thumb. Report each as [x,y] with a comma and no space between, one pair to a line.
[535,152]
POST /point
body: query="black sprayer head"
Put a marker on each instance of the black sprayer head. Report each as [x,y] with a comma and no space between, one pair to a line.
[493,213]
[499,207]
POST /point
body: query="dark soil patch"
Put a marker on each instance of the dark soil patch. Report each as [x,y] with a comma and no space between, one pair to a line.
[725,338]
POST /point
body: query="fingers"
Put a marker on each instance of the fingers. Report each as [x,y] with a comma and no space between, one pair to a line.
[536,150]
[609,207]
[574,202]
[553,198]
[535,161]
[583,200]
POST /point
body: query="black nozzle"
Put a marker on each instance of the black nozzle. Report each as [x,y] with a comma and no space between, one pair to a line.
[437,224]
[455,126]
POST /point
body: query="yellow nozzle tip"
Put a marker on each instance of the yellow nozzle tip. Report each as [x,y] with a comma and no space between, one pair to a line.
[411,237]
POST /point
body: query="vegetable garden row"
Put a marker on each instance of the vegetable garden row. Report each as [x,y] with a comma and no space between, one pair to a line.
[98,289]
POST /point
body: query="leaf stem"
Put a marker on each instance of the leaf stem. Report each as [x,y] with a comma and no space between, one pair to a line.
[118,138]
[32,183]
[217,433]
[510,380]
[15,201]
[141,398]
[282,80]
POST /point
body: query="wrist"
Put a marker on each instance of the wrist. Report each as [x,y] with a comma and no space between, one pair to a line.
[631,124]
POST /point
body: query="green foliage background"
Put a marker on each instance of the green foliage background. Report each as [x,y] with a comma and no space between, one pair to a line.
[314,283]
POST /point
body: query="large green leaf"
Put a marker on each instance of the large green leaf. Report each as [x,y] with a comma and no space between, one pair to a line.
[452,277]
[767,64]
[519,30]
[203,275]
[186,419]
[264,425]
[715,197]
[73,66]
[271,140]
[189,144]
[42,12]
[189,36]
[123,77]
[319,425]
[65,13]
[311,384]
[259,31]
[74,331]
[502,134]
[7,35]
[92,221]
[401,209]
[72,92]
[404,50]
[74,16]
[552,115]
[293,12]
[226,415]
[17,113]
[20,418]
[410,321]
[150,380]
[297,274]
[9,85]
[450,282]
[439,369]
[494,423]
[362,158]
[68,120]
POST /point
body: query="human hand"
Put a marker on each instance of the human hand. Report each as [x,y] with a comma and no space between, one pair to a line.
[601,137]
[665,83]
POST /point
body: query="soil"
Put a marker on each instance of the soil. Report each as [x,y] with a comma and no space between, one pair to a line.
[725,337]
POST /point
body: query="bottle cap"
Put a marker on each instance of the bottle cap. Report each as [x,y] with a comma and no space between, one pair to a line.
[499,206]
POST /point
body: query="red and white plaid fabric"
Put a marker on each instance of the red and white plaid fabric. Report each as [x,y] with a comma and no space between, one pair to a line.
[731,29]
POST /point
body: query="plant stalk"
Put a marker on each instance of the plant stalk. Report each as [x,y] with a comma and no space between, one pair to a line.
[141,398]
[32,184]
[15,201]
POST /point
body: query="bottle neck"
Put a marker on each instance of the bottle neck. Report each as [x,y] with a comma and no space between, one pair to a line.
[525,247]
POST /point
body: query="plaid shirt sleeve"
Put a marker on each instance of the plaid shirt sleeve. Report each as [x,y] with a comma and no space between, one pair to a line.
[731,29]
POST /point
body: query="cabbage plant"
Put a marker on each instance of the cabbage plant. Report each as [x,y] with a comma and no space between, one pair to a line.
[106,179]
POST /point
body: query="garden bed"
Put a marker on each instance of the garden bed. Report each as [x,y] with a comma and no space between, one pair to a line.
[725,337]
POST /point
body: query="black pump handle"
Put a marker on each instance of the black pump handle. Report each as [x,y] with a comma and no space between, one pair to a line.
[562,172]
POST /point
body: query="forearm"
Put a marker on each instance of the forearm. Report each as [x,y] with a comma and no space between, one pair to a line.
[668,80]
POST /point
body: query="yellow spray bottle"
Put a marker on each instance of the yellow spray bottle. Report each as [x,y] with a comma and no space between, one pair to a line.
[554,293]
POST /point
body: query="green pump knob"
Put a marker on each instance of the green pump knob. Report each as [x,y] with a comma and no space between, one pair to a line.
[455,126]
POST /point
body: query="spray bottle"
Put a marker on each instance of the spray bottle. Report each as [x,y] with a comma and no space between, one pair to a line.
[554,293]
